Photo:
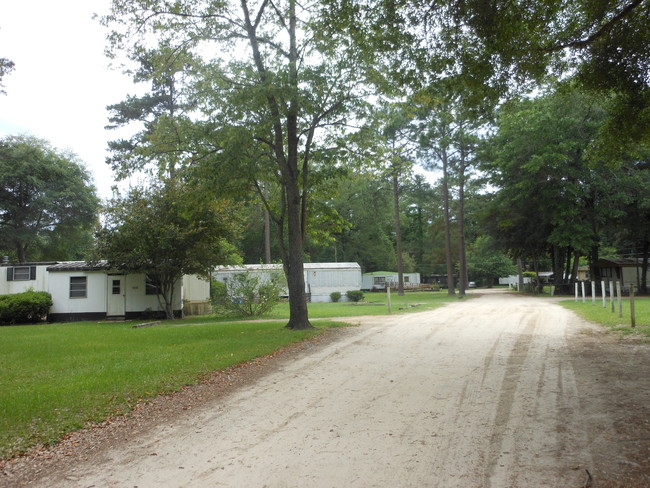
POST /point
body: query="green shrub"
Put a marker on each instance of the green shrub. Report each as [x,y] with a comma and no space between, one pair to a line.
[253,294]
[218,293]
[335,296]
[354,295]
[24,308]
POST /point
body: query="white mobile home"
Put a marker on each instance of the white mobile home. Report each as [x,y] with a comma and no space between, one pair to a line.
[81,291]
[321,279]
[378,280]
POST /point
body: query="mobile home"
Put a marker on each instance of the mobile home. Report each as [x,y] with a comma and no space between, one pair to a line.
[321,279]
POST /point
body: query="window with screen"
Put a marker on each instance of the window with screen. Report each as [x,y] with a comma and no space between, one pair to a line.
[78,287]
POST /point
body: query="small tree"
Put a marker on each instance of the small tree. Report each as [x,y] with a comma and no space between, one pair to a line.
[253,294]
[167,231]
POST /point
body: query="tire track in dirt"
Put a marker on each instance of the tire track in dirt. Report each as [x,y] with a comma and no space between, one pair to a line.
[481,393]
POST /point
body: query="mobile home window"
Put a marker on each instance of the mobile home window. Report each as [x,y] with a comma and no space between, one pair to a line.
[78,287]
[21,273]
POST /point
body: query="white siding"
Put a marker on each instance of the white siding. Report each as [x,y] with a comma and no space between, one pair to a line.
[137,299]
[321,279]
[20,286]
[195,288]
[59,288]
[411,280]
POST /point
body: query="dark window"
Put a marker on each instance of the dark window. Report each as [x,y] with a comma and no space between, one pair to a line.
[21,273]
[151,286]
[116,287]
[78,287]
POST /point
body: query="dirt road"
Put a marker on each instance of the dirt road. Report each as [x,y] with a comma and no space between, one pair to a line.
[498,391]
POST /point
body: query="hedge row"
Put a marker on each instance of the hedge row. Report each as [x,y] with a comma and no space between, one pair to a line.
[24,308]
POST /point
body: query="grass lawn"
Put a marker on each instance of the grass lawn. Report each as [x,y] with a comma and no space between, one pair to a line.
[56,378]
[372,304]
[596,313]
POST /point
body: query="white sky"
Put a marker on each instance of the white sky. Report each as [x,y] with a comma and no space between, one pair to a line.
[61,83]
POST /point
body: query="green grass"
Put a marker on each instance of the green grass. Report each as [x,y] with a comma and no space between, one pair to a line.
[56,378]
[372,304]
[604,316]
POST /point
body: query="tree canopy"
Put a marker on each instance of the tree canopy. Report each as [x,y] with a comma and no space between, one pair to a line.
[48,204]
[167,231]
[267,89]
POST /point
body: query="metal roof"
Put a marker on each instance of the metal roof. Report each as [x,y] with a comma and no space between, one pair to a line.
[310,266]
[78,266]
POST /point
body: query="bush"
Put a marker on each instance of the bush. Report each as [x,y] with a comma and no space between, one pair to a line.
[252,294]
[218,293]
[24,308]
[354,295]
[335,296]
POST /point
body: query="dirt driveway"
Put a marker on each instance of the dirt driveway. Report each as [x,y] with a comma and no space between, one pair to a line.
[499,391]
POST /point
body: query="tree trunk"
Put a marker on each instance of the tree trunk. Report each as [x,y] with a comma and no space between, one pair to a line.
[293,263]
[267,230]
[398,235]
[594,269]
[21,251]
[643,286]
[288,165]
[445,197]
[558,264]
[567,278]
[462,257]
[576,264]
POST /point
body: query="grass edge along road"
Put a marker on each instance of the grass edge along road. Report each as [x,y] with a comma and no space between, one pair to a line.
[604,316]
[58,378]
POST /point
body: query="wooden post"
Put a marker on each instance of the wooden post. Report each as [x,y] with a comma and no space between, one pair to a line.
[576,291]
[620,300]
[593,293]
[632,314]
[604,289]
[611,294]
[582,285]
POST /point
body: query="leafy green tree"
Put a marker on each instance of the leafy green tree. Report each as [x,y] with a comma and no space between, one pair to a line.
[447,141]
[47,200]
[364,202]
[549,196]
[6,67]
[266,109]
[167,231]
[486,263]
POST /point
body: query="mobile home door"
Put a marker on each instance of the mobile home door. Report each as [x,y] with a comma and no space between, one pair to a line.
[116,296]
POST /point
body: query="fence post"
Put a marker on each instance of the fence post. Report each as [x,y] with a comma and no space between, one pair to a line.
[632,315]
[620,300]
[576,291]
[611,294]
[604,289]
[593,293]
[582,285]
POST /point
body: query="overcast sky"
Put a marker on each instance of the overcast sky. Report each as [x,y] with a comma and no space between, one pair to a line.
[61,83]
